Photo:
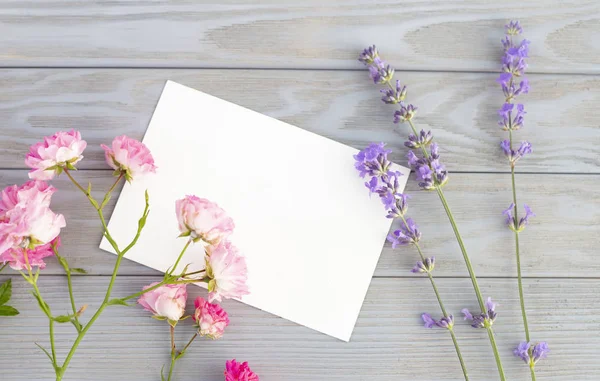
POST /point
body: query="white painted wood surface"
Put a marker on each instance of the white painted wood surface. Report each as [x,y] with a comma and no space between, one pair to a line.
[99,67]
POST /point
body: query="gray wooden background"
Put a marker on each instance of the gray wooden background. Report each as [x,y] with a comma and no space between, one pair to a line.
[100,66]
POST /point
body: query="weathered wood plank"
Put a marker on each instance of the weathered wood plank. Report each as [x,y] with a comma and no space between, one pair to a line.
[562,122]
[419,34]
[388,342]
[561,241]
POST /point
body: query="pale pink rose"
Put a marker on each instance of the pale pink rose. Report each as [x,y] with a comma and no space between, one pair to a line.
[227,271]
[239,371]
[129,156]
[165,302]
[203,220]
[210,319]
[16,256]
[31,191]
[26,221]
[47,158]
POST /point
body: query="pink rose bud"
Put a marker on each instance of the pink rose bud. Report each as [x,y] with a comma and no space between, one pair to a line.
[165,302]
[203,220]
[129,157]
[15,257]
[48,158]
[227,271]
[210,319]
[26,220]
[236,371]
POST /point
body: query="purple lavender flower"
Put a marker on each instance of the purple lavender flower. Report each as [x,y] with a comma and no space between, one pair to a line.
[522,351]
[380,72]
[531,355]
[483,319]
[424,267]
[399,207]
[514,155]
[407,234]
[540,351]
[508,121]
[445,322]
[406,113]
[513,28]
[372,185]
[428,320]
[394,96]
[422,140]
[373,160]
[368,55]
[511,221]
[429,171]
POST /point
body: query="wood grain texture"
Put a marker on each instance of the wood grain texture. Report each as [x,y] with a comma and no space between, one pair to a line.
[416,34]
[561,241]
[562,121]
[388,343]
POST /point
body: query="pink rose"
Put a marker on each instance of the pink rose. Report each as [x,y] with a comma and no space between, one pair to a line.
[236,371]
[227,271]
[210,318]
[129,156]
[26,220]
[203,220]
[16,256]
[58,151]
[165,302]
[13,195]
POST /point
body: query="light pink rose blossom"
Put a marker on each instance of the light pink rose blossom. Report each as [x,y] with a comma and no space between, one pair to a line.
[26,221]
[210,319]
[202,219]
[31,191]
[16,256]
[47,158]
[239,371]
[165,302]
[227,271]
[130,157]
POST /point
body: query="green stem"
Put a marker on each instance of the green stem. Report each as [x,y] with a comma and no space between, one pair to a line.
[52,347]
[182,352]
[173,353]
[187,244]
[532,369]
[3,266]
[65,266]
[439,299]
[120,255]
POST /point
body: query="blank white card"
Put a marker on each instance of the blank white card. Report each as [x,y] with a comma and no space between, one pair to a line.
[311,234]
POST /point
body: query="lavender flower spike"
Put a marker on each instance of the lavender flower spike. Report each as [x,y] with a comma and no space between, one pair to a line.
[445,322]
[424,267]
[513,28]
[407,234]
[369,55]
[531,354]
[484,319]
[511,220]
[393,96]
[406,113]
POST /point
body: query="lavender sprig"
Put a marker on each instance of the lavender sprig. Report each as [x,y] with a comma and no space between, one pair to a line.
[373,162]
[512,119]
[430,172]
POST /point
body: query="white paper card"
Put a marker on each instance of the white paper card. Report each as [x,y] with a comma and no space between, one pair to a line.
[304,220]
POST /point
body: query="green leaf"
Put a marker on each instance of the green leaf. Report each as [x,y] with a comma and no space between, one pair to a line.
[119,302]
[62,318]
[89,188]
[94,202]
[45,351]
[5,291]
[8,311]
[79,270]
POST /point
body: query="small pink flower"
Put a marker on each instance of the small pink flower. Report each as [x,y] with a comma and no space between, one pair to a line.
[130,157]
[203,220]
[16,256]
[165,302]
[48,158]
[210,318]
[26,220]
[236,371]
[227,271]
